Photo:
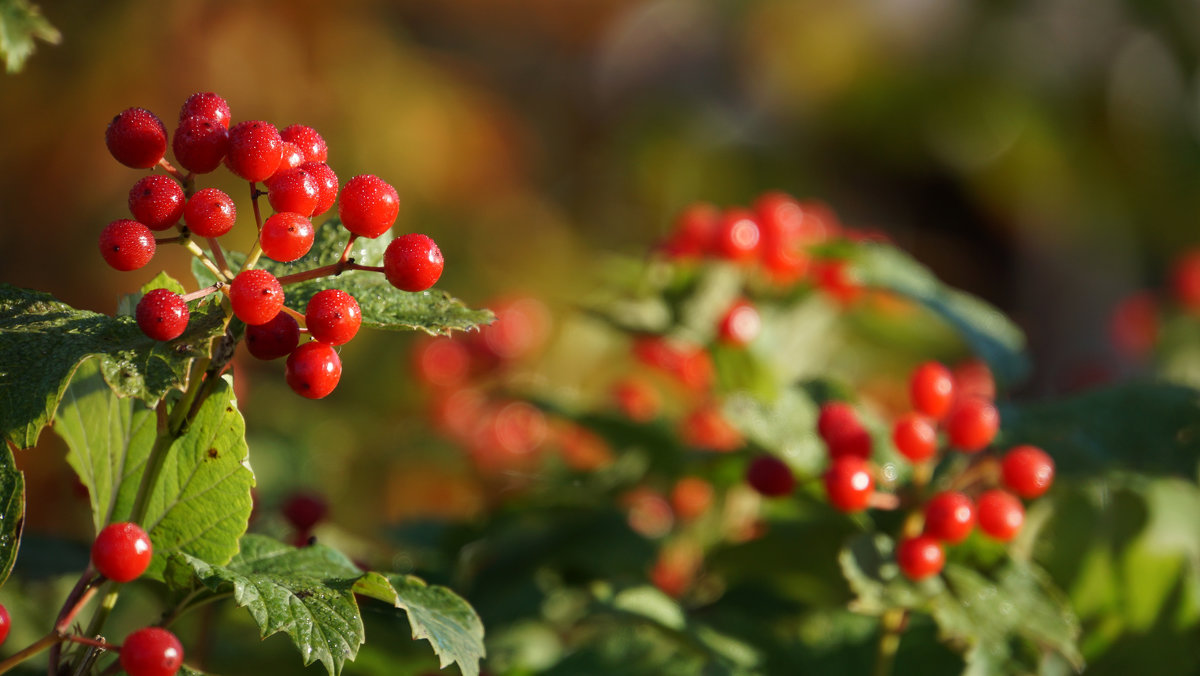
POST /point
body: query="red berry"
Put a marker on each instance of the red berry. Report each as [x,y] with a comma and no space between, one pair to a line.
[1185,280]
[209,213]
[152,651]
[949,516]
[368,206]
[972,424]
[291,157]
[309,141]
[844,435]
[691,497]
[693,233]
[740,325]
[333,316]
[156,201]
[442,362]
[126,245]
[200,144]
[1027,470]
[286,236]
[915,437]
[637,399]
[313,370]
[412,262]
[293,190]
[256,296]
[327,185]
[973,378]
[162,314]
[1000,514]
[5,624]
[1134,324]
[920,557]
[770,476]
[206,105]
[277,338]
[122,551]
[707,429]
[136,138]
[931,389]
[737,236]
[255,150]
[834,278]
[305,510]
[849,484]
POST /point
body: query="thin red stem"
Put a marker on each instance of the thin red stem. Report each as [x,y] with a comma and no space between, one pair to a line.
[346,252]
[170,169]
[200,293]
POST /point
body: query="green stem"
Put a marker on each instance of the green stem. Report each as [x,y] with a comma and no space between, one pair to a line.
[219,254]
[256,250]
[196,251]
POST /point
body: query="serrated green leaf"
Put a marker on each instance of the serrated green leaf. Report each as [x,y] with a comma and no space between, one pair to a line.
[201,503]
[444,619]
[309,594]
[43,341]
[12,511]
[990,334]
[21,22]
[383,306]
[1147,427]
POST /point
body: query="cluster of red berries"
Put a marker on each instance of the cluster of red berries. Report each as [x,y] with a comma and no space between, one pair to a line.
[988,493]
[299,185]
[1135,322]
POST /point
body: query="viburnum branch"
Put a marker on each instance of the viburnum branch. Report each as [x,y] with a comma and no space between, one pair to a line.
[175,173]
[331,270]
[196,251]
[170,240]
[346,252]
[201,293]
[50,639]
[219,255]
[256,251]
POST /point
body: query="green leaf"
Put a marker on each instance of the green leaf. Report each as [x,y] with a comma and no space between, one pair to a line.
[1145,427]
[990,334]
[786,427]
[20,23]
[443,618]
[201,503]
[108,439]
[309,594]
[383,306]
[12,511]
[43,341]
[870,567]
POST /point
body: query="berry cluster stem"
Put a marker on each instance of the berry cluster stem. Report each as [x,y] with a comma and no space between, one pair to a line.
[256,251]
[196,251]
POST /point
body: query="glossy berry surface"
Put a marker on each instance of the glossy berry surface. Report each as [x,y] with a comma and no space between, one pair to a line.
[286,236]
[209,213]
[915,437]
[313,370]
[255,150]
[136,138]
[256,296]
[305,510]
[972,424]
[274,339]
[949,516]
[412,262]
[770,476]
[5,624]
[327,185]
[156,201]
[1000,514]
[293,190]
[368,206]
[931,389]
[849,484]
[122,551]
[206,105]
[200,144]
[333,316]
[126,245]
[152,651]
[290,157]
[920,557]
[162,314]
[1027,471]
[737,236]
[740,325]
[308,140]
